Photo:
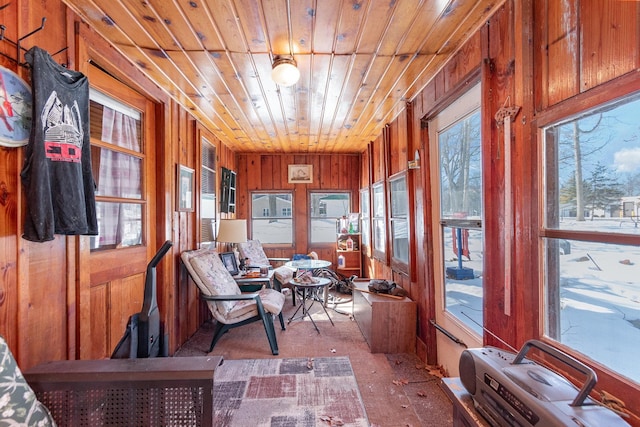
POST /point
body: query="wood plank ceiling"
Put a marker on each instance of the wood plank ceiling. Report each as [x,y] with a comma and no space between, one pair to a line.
[361,61]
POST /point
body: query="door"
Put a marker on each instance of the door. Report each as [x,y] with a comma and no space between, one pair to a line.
[457,194]
[114,262]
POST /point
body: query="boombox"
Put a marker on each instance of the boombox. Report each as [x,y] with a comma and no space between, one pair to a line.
[511,390]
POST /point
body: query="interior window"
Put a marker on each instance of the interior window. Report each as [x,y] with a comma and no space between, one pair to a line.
[456,144]
[379,222]
[117,158]
[364,207]
[207,190]
[324,209]
[271,220]
[591,236]
[399,219]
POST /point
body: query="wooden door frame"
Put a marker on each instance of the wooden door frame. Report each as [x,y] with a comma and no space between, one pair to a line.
[90,47]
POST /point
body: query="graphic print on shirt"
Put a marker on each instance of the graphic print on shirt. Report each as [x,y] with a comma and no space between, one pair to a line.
[62,130]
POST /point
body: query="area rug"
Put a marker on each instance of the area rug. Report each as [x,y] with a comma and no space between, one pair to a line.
[295,392]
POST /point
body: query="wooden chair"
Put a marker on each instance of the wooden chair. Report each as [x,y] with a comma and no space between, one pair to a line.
[228,305]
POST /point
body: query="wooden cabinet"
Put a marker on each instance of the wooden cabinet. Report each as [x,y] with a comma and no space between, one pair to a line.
[387,324]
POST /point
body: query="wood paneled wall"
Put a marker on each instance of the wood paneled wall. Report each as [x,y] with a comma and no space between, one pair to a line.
[42,284]
[268,172]
[544,65]
[576,47]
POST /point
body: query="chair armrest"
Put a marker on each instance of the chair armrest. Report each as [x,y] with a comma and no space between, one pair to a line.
[279,259]
[240,297]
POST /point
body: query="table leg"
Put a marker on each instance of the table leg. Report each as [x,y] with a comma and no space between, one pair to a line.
[324,305]
[305,309]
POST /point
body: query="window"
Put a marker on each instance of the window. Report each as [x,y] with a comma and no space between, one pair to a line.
[118,161]
[267,228]
[366,221]
[207,191]
[399,220]
[591,236]
[456,144]
[379,221]
[324,209]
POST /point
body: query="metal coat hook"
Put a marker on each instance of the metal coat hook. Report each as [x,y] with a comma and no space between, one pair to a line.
[17,44]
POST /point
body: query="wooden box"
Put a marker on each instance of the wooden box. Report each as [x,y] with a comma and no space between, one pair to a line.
[387,324]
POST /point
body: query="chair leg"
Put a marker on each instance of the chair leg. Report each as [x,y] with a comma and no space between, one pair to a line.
[221,329]
[267,320]
[281,320]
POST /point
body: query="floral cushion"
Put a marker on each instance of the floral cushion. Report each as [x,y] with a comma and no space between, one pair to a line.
[215,278]
[18,403]
[283,274]
[272,301]
[252,249]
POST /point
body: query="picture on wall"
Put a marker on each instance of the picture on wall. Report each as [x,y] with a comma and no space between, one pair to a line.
[300,174]
[185,188]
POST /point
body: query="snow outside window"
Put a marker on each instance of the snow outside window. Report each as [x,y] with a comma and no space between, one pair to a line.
[591,236]
[272,229]
[325,209]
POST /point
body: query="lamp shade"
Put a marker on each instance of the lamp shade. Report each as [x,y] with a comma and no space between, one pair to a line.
[285,71]
[232,231]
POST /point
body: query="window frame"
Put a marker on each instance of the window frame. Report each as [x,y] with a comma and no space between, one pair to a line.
[261,217]
[311,217]
[379,251]
[394,219]
[204,139]
[548,235]
[117,102]
[365,219]
[460,109]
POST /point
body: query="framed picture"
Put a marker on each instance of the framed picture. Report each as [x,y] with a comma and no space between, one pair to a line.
[300,174]
[185,188]
[230,262]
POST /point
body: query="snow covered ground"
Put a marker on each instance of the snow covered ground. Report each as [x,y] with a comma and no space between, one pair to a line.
[599,296]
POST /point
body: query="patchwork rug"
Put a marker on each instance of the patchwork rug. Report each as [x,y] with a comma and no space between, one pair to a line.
[295,392]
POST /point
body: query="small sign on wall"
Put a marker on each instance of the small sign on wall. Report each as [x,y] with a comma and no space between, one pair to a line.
[300,174]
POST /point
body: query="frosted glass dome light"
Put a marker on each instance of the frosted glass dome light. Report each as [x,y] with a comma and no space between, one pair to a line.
[285,71]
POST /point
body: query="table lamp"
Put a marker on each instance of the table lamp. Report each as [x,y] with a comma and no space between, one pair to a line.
[233,231]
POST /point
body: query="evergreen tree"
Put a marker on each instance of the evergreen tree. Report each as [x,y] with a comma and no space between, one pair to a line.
[602,189]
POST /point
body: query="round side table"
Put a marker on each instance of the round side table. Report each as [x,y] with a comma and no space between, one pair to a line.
[310,293]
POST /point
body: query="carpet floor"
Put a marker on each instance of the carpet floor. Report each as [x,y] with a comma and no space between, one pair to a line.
[297,392]
[398,390]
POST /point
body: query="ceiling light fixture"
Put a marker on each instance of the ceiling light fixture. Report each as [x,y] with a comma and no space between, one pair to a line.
[285,71]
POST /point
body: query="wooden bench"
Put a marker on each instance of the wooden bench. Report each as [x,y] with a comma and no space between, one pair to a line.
[127,392]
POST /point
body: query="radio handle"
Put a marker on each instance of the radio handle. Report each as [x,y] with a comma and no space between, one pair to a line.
[590,381]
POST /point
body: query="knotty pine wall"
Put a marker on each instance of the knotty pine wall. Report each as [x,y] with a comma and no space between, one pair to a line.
[547,56]
[552,59]
[48,311]
[268,172]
